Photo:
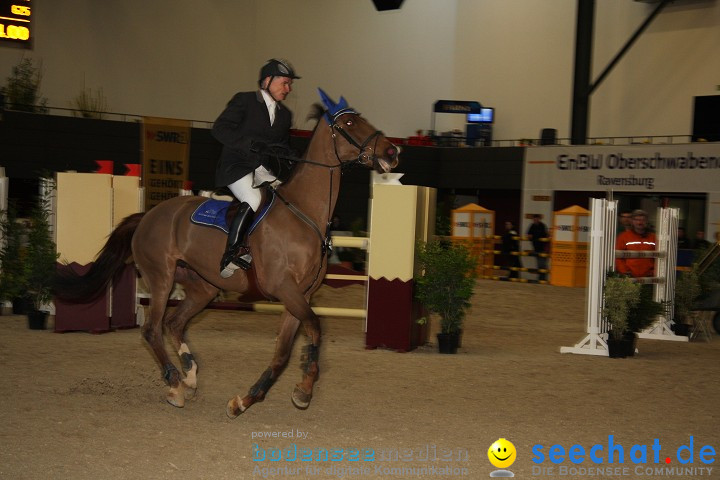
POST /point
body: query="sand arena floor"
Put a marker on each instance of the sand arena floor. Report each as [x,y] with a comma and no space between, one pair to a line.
[82,406]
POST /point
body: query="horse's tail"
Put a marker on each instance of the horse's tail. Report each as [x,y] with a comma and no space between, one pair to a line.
[72,287]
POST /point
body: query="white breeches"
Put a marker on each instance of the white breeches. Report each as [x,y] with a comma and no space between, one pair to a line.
[244,191]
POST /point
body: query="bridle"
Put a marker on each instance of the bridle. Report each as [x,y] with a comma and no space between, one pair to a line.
[325,240]
[362,147]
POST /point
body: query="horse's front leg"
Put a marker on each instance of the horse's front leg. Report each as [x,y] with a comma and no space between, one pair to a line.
[283,346]
[302,394]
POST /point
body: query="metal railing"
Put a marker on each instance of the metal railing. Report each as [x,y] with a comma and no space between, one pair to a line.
[437,141]
[95,115]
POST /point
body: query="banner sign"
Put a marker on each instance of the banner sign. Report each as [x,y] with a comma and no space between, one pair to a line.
[638,168]
[646,169]
[166,154]
[15,23]
[456,106]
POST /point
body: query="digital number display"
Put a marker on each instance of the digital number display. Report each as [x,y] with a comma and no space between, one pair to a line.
[15,23]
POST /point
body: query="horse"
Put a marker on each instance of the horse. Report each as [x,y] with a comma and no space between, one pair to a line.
[289,248]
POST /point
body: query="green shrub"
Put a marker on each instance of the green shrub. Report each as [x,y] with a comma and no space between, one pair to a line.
[645,311]
[41,258]
[446,281]
[687,292]
[621,296]
[12,273]
[22,90]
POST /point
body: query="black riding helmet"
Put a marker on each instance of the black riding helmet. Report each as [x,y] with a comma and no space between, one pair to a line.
[276,68]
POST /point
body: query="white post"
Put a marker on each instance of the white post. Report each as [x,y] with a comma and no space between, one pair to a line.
[603,214]
[665,266]
[602,258]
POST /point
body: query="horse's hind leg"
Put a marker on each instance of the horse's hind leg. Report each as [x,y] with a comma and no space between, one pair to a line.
[198,293]
[159,280]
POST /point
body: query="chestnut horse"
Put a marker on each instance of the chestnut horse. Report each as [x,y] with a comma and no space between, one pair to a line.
[288,248]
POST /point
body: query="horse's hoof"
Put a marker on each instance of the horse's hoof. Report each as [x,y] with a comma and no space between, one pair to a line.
[189,391]
[301,399]
[175,398]
[234,407]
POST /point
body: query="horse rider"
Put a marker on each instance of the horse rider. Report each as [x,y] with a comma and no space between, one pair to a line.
[252,126]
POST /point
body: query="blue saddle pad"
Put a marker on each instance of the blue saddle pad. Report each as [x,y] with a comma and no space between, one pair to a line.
[212,213]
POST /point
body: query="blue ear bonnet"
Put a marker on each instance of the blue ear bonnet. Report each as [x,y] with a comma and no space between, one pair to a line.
[333,110]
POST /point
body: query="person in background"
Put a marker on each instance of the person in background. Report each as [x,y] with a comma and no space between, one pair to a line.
[700,243]
[510,244]
[638,238]
[685,254]
[537,233]
[625,221]
[682,240]
[336,224]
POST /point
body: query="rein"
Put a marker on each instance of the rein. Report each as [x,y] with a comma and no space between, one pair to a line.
[298,213]
[325,240]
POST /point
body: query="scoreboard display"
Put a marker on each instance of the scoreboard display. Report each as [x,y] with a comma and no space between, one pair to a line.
[15,23]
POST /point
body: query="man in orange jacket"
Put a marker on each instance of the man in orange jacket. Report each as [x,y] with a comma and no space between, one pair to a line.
[638,238]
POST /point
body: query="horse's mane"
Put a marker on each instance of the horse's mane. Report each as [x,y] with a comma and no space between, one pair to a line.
[316,112]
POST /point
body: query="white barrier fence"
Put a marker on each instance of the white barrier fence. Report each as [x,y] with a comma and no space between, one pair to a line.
[603,225]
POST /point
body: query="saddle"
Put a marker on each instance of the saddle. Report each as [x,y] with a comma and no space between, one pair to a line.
[218,213]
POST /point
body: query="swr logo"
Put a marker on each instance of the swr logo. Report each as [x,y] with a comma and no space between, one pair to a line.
[167,137]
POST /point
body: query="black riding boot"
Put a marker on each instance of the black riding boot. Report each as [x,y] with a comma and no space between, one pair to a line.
[232,258]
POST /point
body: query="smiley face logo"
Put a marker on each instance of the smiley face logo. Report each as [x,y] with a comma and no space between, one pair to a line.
[502,453]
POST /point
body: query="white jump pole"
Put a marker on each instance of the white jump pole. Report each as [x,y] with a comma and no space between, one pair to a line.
[602,258]
[665,267]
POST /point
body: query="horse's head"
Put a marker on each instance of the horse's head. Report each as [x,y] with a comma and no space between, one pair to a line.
[355,139]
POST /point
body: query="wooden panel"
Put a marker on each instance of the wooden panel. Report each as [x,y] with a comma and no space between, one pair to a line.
[84,215]
[392,228]
[125,198]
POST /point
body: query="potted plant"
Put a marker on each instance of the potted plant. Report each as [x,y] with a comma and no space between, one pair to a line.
[646,311]
[12,275]
[22,90]
[687,292]
[629,308]
[444,286]
[89,104]
[40,260]
[621,296]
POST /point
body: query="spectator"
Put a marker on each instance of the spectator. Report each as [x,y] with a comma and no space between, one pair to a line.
[625,221]
[682,240]
[336,224]
[510,243]
[639,238]
[538,233]
[700,242]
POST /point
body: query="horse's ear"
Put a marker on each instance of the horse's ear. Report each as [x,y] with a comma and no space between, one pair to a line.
[327,101]
[342,103]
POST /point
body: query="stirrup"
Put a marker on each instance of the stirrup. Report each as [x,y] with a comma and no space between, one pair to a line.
[241,259]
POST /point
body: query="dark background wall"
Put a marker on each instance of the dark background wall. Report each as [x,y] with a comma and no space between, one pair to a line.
[31,144]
